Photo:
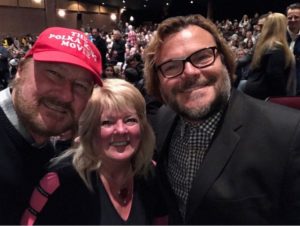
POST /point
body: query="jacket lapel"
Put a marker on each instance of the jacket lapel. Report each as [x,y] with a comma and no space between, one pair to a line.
[164,125]
[222,148]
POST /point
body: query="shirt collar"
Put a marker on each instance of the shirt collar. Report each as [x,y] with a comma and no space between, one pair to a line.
[293,35]
[212,121]
[6,104]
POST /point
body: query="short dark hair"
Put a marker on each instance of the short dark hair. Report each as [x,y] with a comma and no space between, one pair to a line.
[295,5]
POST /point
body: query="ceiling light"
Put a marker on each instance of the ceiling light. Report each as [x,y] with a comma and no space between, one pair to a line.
[61,13]
[113,17]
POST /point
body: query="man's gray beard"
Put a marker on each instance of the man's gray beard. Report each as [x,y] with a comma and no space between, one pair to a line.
[204,112]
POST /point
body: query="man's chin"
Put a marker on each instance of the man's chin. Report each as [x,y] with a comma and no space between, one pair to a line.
[52,126]
[196,113]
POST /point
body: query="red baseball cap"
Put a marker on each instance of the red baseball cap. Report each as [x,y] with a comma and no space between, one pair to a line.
[64,45]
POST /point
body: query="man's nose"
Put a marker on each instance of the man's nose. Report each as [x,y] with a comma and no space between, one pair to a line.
[190,69]
[67,94]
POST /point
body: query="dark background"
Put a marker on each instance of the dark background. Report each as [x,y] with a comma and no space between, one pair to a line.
[156,10]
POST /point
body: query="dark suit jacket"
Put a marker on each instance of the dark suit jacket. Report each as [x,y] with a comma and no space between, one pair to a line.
[296,52]
[251,173]
[271,77]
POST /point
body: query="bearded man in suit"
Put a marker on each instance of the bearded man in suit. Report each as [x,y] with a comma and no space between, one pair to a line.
[223,157]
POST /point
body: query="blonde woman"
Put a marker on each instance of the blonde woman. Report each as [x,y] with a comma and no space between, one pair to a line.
[105,179]
[271,69]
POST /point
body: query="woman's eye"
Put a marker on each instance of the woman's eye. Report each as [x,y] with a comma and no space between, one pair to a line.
[106,123]
[131,121]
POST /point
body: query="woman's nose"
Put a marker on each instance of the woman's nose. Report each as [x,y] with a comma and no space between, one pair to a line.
[120,127]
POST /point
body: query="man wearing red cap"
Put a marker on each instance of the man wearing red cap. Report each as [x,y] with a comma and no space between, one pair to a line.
[52,86]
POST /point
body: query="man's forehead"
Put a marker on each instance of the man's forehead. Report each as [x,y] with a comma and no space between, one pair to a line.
[66,68]
[293,11]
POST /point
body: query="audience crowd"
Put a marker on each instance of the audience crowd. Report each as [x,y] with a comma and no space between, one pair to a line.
[120,47]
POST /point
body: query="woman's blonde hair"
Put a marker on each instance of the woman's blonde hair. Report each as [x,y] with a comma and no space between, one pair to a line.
[116,95]
[273,35]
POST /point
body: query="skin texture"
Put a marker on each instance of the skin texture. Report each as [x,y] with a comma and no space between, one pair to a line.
[50,97]
[109,72]
[119,136]
[196,93]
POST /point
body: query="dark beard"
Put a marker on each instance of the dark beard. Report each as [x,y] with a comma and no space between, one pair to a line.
[221,100]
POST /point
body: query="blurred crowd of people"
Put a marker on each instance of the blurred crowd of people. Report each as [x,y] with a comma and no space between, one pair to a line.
[122,49]
[12,49]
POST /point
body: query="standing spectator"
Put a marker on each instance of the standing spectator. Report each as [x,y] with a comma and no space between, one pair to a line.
[245,22]
[293,28]
[4,67]
[50,91]
[100,43]
[118,46]
[272,62]
[131,36]
[255,19]
[258,27]
[224,158]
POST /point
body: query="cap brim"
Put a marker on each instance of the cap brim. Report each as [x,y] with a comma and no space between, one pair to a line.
[61,57]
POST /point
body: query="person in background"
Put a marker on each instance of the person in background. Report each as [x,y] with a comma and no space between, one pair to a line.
[131,36]
[243,64]
[272,63]
[107,178]
[46,98]
[100,44]
[4,67]
[118,47]
[110,72]
[223,157]
[293,31]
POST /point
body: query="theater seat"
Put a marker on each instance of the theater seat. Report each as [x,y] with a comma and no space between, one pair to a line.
[289,101]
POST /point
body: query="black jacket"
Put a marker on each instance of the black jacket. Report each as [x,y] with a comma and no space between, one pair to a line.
[21,167]
[270,78]
[251,172]
[73,203]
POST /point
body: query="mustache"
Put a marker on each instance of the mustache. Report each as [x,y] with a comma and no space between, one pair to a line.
[54,101]
[196,82]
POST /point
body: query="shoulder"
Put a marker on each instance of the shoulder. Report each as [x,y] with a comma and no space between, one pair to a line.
[163,119]
[68,176]
[262,112]
[164,113]
[63,167]
[276,49]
